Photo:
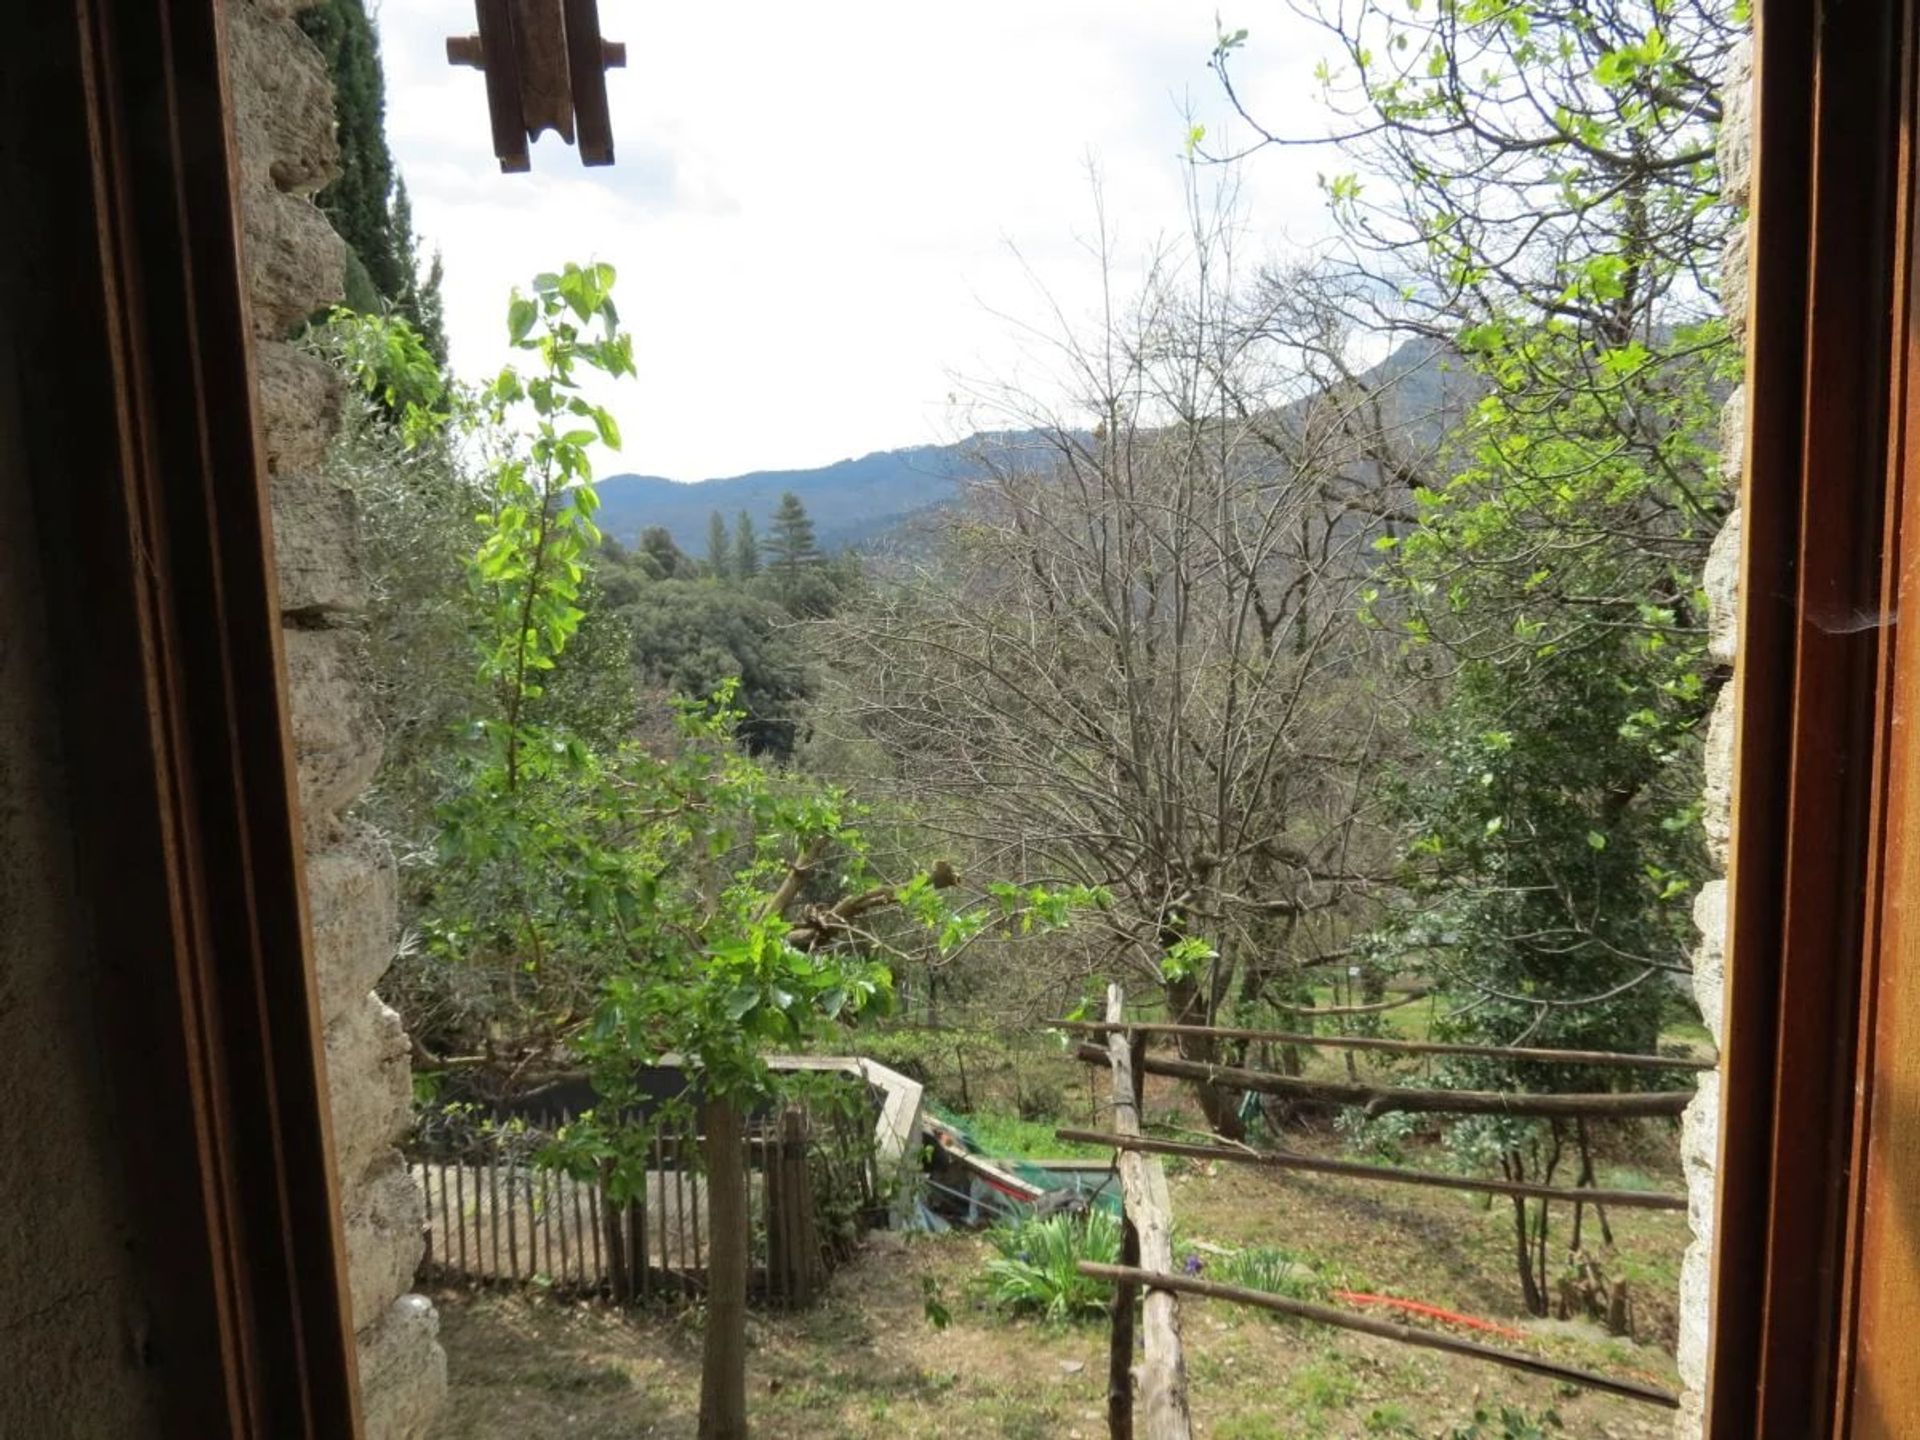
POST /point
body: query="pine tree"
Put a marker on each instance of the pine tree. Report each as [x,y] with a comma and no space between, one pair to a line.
[719,548]
[746,549]
[790,544]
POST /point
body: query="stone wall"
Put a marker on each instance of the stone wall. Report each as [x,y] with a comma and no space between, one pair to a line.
[284,129]
[1700,1134]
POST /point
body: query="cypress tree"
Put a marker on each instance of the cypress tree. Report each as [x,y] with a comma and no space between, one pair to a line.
[419,298]
[369,210]
[746,549]
[357,202]
[719,548]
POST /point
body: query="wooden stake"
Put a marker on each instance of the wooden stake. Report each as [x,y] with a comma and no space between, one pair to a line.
[1380,1100]
[1385,1329]
[1520,1055]
[1163,1372]
[1640,1199]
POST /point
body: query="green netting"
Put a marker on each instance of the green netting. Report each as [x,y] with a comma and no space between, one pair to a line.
[1101,1188]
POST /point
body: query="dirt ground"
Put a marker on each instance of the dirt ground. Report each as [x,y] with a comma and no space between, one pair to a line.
[867,1363]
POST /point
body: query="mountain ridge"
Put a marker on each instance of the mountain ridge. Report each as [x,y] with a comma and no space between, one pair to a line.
[860,499]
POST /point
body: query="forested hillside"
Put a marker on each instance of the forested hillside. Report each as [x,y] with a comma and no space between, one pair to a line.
[851,501]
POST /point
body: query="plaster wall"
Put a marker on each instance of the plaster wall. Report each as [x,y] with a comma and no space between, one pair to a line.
[70,1310]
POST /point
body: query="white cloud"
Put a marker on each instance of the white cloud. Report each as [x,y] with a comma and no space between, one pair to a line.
[815,207]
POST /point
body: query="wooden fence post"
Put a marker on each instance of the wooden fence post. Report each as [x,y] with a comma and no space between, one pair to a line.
[1149,1210]
[793,1243]
[1120,1351]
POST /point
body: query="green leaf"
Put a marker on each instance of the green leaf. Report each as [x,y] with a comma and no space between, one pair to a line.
[521,313]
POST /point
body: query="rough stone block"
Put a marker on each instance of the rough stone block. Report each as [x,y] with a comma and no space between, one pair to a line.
[1720,579]
[296,264]
[1694,1329]
[350,897]
[316,546]
[1709,960]
[1699,1152]
[370,1087]
[282,103]
[1736,128]
[382,1218]
[300,399]
[1716,817]
[403,1370]
[1733,283]
[336,739]
[1733,440]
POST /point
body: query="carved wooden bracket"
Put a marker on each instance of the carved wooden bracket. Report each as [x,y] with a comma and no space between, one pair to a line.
[546,67]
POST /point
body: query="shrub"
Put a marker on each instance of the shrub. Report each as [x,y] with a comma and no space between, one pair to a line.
[1035,1270]
[1276,1271]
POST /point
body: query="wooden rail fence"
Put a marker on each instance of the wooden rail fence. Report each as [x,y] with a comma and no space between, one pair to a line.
[1147,1259]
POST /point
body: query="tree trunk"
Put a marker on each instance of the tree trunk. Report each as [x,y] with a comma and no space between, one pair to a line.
[723,1370]
[1221,1106]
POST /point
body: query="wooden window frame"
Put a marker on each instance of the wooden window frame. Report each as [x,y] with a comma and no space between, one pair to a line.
[179,742]
[125,269]
[1831,234]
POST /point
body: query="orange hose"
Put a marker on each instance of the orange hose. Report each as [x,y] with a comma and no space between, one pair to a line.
[1433,1312]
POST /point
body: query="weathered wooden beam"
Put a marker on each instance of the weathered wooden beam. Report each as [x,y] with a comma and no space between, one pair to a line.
[1385,1329]
[1149,1212]
[1381,1100]
[1519,1054]
[1626,1199]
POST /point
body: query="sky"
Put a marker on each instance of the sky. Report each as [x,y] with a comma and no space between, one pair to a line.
[828,218]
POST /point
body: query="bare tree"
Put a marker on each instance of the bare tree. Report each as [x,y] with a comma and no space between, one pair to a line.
[1134,657]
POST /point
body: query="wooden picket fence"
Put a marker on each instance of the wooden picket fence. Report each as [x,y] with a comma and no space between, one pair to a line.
[495,1216]
[1147,1259]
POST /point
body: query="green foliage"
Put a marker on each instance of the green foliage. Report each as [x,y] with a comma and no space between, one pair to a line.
[934,1304]
[689,637]
[394,367]
[1034,1271]
[998,1133]
[635,898]
[1552,210]
[1551,828]
[1511,154]
[1538,185]
[696,626]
